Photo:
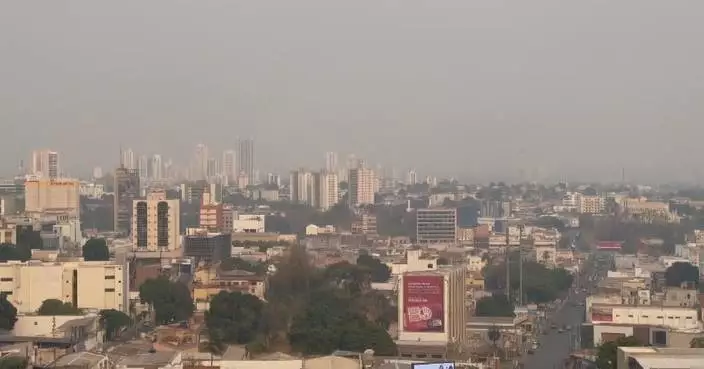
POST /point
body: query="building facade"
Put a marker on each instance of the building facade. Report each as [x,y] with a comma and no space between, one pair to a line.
[126,189]
[87,285]
[52,195]
[156,223]
[436,226]
[361,186]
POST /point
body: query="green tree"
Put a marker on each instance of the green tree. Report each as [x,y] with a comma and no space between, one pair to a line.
[8,313]
[540,284]
[550,222]
[380,272]
[235,263]
[96,249]
[697,342]
[13,362]
[171,301]
[114,321]
[682,273]
[494,305]
[57,307]
[9,251]
[233,318]
[606,353]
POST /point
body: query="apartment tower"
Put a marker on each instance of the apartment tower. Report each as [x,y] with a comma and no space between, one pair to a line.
[361,186]
[155,223]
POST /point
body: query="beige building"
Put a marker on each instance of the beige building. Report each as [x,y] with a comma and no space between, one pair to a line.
[59,195]
[86,284]
[361,186]
[45,163]
[591,204]
[156,223]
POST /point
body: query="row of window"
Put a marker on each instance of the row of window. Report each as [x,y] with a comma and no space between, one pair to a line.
[657,317]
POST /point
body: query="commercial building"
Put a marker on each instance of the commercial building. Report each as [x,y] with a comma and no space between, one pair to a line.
[432,308]
[52,195]
[591,204]
[361,186]
[436,226]
[206,247]
[211,215]
[87,285]
[675,318]
[45,163]
[156,223]
[126,191]
[249,223]
[365,224]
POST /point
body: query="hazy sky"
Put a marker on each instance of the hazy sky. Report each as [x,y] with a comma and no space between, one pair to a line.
[466,87]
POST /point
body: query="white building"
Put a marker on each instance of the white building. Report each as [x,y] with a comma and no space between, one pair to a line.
[248,223]
[86,284]
[361,186]
[676,318]
[326,187]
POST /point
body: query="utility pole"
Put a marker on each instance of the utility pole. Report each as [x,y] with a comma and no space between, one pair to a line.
[520,265]
[508,265]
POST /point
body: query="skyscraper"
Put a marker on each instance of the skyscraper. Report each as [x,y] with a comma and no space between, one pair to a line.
[246,158]
[157,168]
[155,223]
[126,189]
[331,162]
[325,185]
[301,187]
[361,186]
[199,164]
[45,163]
[128,160]
[229,165]
[143,167]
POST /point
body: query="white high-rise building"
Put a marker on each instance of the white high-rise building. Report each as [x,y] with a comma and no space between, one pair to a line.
[157,168]
[128,159]
[412,177]
[45,163]
[199,165]
[326,186]
[331,162]
[229,165]
[301,187]
[143,167]
[361,186]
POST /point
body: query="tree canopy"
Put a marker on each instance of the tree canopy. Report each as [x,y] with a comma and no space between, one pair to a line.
[380,272]
[96,249]
[682,273]
[57,307]
[494,305]
[8,313]
[606,352]
[13,361]
[540,284]
[550,222]
[114,321]
[171,301]
[233,318]
[235,263]
[307,310]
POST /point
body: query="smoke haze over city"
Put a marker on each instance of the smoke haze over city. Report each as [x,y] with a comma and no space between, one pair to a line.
[471,89]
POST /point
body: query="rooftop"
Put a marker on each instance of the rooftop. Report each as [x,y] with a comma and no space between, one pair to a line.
[83,359]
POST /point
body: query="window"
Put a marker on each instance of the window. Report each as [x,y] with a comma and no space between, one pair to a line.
[109,290]
[689,317]
[109,277]
[660,317]
[6,293]
[630,315]
[645,316]
[6,279]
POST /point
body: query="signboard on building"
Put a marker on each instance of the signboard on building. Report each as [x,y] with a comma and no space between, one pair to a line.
[602,314]
[423,303]
[444,365]
[609,245]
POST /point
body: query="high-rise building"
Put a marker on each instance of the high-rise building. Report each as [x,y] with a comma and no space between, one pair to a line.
[126,188]
[412,177]
[229,165]
[157,168]
[127,159]
[45,163]
[155,223]
[143,167]
[199,164]
[213,168]
[246,158]
[273,179]
[301,187]
[326,190]
[436,226]
[361,186]
[59,195]
[331,162]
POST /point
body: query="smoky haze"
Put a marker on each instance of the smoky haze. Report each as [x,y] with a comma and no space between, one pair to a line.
[476,89]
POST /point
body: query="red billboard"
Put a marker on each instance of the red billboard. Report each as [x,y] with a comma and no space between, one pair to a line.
[602,314]
[423,308]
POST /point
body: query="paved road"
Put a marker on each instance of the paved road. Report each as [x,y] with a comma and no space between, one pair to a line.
[555,347]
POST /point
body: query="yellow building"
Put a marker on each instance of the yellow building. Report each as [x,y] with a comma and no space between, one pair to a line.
[475,280]
[156,223]
[210,281]
[86,284]
[59,195]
